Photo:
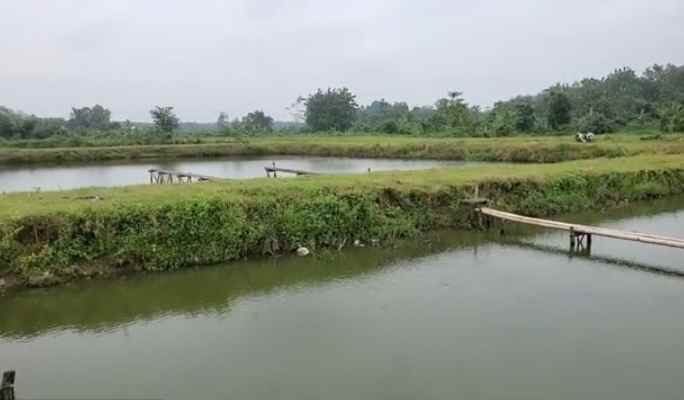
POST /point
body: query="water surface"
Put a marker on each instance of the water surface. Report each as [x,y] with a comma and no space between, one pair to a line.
[14,178]
[459,315]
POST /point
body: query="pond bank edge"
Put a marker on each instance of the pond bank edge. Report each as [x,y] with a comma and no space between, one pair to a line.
[48,250]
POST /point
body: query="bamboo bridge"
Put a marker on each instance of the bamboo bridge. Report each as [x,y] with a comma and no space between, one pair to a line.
[581,235]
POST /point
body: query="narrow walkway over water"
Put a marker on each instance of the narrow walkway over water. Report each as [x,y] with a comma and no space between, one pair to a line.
[580,232]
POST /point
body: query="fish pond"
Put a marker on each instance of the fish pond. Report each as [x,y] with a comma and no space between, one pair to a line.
[452,315]
[22,178]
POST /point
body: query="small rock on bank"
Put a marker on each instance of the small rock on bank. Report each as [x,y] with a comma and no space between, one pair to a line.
[303,251]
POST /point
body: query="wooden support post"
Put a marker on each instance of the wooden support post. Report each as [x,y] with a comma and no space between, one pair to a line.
[589,241]
[275,175]
[7,385]
[572,238]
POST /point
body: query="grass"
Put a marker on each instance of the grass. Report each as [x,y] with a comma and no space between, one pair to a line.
[50,237]
[18,205]
[517,149]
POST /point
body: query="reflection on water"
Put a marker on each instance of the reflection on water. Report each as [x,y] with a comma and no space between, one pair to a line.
[457,315]
[29,178]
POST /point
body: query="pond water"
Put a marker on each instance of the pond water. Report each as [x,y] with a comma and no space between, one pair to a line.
[14,178]
[455,315]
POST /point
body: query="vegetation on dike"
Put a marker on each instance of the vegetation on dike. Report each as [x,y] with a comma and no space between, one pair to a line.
[539,149]
[46,238]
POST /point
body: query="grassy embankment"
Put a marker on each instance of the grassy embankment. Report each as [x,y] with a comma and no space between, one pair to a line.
[49,237]
[517,149]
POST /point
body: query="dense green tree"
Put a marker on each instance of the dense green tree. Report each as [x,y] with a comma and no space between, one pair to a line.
[7,123]
[96,117]
[165,120]
[333,109]
[559,109]
[19,125]
[524,117]
[504,122]
[594,122]
[671,117]
[455,111]
[257,122]
[381,116]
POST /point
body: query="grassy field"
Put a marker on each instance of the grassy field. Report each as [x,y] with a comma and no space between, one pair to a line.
[17,205]
[516,149]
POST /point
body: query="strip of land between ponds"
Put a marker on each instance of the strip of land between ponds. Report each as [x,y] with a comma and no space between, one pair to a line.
[537,149]
[52,237]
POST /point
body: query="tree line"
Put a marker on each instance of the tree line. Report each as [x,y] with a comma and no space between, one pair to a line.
[622,100]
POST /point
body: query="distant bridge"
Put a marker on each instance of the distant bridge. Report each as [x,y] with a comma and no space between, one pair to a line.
[161,176]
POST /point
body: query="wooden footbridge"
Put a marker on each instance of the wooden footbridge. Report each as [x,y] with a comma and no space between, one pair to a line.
[274,170]
[581,235]
[161,176]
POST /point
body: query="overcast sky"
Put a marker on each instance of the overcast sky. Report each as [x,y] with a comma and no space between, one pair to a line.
[204,56]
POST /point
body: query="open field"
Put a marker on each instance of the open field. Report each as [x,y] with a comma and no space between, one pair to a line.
[516,149]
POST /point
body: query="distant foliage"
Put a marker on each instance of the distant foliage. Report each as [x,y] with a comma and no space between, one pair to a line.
[164,118]
[671,117]
[594,122]
[222,121]
[257,121]
[96,117]
[524,117]
[620,101]
[559,109]
[504,123]
[16,125]
[334,109]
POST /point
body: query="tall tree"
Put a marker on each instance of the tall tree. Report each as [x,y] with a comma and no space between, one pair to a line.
[164,118]
[455,110]
[559,109]
[7,122]
[96,117]
[671,117]
[524,117]
[222,121]
[257,121]
[333,109]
